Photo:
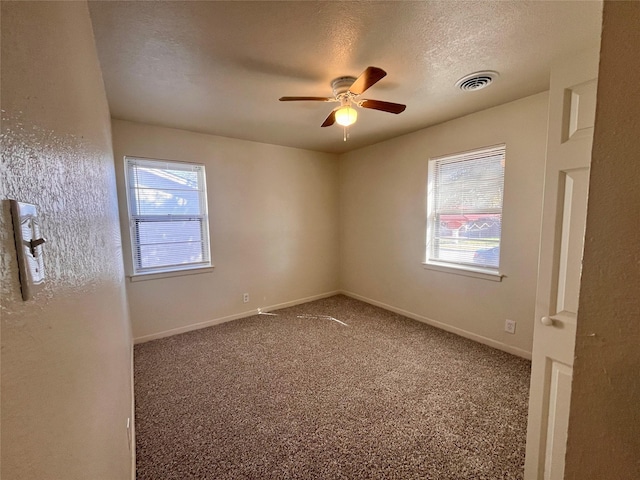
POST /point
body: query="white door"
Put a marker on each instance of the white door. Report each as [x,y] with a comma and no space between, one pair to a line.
[572,99]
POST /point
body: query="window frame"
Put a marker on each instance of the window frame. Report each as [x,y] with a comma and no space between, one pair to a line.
[467,269]
[135,219]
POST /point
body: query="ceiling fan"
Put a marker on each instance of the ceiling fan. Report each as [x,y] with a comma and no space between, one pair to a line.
[347,91]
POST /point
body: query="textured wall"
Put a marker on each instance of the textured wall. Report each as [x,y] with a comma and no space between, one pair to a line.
[604,424]
[66,379]
[383,224]
[273,214]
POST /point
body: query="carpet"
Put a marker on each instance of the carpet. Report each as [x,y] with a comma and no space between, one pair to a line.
[331,389]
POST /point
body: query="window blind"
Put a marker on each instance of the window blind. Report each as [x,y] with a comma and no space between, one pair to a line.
[464,224]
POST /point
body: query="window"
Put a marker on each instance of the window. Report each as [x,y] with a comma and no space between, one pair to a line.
[167,215]
[465,210]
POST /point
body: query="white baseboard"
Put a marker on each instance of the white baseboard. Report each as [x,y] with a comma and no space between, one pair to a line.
[228,318]
[443,326]
[132,425]
[434,323]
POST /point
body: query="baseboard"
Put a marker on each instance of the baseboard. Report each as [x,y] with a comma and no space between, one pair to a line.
[434,323]
[228,318]
[132,426]
[443,326]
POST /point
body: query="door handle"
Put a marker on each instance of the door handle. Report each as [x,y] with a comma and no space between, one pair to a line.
[546,321]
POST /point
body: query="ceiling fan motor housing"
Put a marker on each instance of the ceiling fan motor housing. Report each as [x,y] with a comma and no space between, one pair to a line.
[341,85]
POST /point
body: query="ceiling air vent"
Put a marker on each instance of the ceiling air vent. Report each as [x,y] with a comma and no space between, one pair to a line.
[476,81]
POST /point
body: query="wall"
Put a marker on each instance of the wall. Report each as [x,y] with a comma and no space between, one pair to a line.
[383,225]
[66,354]
[273,214]
[604,423]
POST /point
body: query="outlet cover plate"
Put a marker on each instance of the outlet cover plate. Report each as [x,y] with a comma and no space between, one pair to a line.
[510,326]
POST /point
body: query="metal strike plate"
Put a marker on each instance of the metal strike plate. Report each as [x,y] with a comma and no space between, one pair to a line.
[29,247]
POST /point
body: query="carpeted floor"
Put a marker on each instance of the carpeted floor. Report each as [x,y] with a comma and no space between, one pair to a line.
[332,389]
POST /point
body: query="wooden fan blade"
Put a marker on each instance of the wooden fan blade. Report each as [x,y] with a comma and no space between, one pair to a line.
[369,77]
[331,119]
[313,99]
[384,106]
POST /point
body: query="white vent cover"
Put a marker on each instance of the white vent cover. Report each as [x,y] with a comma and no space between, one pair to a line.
[477,80]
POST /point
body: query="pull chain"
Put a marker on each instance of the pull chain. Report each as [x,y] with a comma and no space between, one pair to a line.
[345,133]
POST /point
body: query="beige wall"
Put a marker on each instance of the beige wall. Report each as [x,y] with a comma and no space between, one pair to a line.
[66,354]
[273,214]
[383,224]
[604,424]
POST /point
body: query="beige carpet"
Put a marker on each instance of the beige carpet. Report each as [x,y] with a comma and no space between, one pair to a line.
[332,389]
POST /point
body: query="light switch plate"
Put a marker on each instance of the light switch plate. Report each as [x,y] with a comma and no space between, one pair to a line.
[29,247]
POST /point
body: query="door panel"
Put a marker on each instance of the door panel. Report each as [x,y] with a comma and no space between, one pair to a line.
[574,216]
[558,420]
[572,100]
[580,112]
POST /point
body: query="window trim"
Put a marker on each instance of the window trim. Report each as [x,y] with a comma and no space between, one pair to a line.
[139,273]
[465,270]
[487,273]
[140,277]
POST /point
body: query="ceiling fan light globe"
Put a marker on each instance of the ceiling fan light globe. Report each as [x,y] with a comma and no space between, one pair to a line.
[346,116]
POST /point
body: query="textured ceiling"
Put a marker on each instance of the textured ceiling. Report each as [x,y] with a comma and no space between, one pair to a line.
[220,67]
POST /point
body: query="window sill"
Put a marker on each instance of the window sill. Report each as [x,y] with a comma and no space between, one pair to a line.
[478,272]
[141,277]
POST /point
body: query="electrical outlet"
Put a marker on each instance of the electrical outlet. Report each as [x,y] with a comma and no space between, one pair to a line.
[245,298]
[510,326]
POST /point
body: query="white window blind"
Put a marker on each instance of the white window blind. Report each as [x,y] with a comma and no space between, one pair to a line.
[167,215]
[464,202]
